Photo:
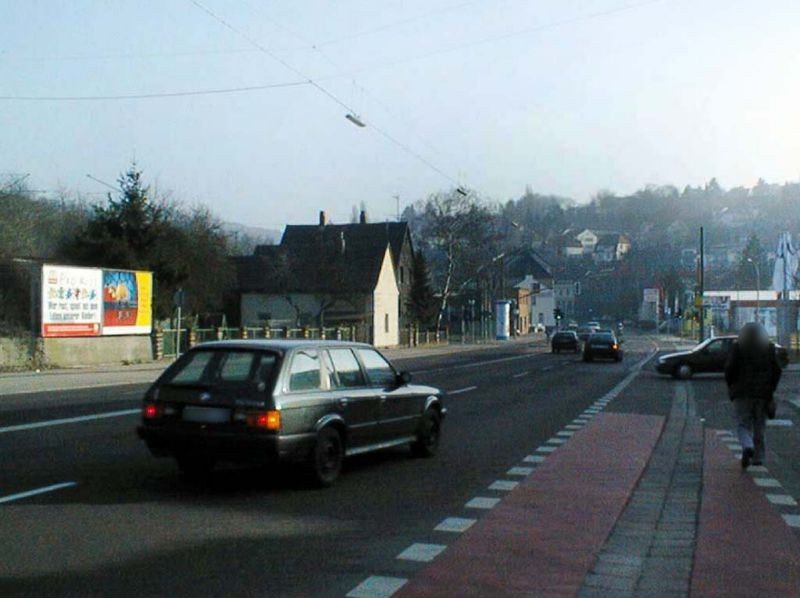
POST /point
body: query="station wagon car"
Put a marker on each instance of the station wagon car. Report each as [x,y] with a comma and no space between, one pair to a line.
[306,402]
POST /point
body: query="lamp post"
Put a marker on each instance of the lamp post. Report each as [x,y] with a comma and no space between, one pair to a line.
[758,288]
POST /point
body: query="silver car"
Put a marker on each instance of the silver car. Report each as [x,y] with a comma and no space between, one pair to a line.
[307,402]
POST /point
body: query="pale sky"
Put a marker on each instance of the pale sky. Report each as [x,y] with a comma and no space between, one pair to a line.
[567,96]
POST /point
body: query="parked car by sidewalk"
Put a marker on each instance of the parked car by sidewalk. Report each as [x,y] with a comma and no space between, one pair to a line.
[707,357]
[311,403]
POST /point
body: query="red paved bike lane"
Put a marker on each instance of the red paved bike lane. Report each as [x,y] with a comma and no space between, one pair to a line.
[544,536]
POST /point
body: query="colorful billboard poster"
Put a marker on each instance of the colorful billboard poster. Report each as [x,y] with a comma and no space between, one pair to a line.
[71,301]
[127,302]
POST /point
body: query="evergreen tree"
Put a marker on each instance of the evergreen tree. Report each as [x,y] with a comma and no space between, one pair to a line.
[422,303]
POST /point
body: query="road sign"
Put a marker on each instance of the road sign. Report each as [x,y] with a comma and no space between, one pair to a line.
[651,295]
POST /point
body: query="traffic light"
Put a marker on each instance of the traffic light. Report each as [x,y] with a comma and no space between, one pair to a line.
[558,314]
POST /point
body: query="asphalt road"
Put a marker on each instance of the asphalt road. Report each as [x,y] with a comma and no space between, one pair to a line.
[129,525]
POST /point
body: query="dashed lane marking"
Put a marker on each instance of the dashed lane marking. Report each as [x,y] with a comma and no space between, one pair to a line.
[565,433]
[767,482]
[503,485]
[377,586]
[462,390]
[780,423]
[757,469]
[534,459]
[36,492]
[546,449]
[791,520]
[520,375]
[556,440]
[782,499]
[482,502]
[455,525]
[573,427]
[68,420]
[422,553]
[523,471]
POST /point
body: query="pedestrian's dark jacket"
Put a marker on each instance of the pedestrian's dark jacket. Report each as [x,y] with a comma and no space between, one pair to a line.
[752,372]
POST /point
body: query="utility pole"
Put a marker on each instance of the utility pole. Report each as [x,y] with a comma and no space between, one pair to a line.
[702,285]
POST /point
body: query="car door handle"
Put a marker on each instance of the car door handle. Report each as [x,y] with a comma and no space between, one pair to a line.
[343,403]
[383,397]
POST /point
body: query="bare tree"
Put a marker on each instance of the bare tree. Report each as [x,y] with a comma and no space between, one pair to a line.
[457,229]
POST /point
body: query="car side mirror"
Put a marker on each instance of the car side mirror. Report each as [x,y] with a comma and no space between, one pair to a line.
[403,378]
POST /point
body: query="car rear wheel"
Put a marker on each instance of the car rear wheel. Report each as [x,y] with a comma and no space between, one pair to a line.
[430,432]
[683,371]
[326,460]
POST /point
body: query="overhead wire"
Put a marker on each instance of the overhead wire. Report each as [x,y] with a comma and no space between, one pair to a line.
[320,88]
[143,96]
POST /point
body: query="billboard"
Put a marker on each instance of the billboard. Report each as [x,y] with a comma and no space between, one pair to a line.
[127,302]
[71,302]
[95,302]
[652,295]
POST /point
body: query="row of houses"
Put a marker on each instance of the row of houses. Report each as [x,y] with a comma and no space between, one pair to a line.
[603,247]
[361,274]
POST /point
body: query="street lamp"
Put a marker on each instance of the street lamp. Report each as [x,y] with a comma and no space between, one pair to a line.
[758,288]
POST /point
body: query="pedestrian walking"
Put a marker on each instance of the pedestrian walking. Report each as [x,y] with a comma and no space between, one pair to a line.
[752,373]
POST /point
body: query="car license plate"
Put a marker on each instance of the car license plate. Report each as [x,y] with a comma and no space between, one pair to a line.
[206,415]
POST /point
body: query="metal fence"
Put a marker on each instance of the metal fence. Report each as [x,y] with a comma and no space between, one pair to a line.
[167,343]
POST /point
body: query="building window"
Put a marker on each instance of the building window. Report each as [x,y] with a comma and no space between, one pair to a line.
[386,323]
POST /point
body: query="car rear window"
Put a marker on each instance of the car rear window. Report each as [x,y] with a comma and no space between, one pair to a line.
[222,367]
[305,373]
[603,337]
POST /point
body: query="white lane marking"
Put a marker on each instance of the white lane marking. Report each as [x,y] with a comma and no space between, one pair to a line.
[504,485]
[476,364]
[757,469]
[460,390]
[455,524]
[534,459]
[782,499]
[581,420]
[482,502]
[520,375]
[21,495]
[422,553]
[792,520]
[767,482]
[68,420]
[780,423]
[565,433]
[555,440]
[735,446]
[376,586]
[523,471]
[546,449]
[573,427]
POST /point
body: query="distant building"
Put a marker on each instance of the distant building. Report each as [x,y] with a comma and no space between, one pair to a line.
[331,274]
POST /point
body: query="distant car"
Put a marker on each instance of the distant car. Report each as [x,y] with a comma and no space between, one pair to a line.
[306,402]
[593,324]
[584,332]
[707,357]
[603,344]
[565,340]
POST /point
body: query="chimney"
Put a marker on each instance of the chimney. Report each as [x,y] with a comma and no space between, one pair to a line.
[323,218]
[362,218]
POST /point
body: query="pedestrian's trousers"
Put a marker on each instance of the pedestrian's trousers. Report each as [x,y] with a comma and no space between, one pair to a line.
[751,419]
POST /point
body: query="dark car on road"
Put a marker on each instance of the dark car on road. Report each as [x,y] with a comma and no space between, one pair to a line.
[707,357]
[602,345]
[310,403]
[565,340]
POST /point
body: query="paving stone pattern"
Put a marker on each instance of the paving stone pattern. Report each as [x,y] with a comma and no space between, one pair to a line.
[650,550]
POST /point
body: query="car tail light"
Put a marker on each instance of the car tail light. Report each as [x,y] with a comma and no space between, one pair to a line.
[151,411]
[266,420]
[615,346]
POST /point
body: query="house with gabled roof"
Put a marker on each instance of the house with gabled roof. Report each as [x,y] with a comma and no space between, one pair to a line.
[329,275]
